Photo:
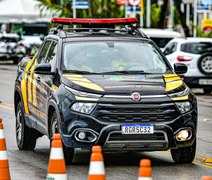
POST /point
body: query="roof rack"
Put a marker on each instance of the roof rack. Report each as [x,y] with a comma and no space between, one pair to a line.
[95,25]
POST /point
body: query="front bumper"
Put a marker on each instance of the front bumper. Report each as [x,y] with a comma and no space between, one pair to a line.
[108,134]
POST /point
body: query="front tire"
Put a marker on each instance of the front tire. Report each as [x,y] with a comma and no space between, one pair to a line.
[68,152]
[184,154]
[25,137]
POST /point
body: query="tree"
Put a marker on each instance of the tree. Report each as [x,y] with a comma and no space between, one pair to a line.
[97,9]
[182,17]
[163,14]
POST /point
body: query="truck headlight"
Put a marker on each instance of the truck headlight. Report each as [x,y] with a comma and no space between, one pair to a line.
[85,108]
[184,106]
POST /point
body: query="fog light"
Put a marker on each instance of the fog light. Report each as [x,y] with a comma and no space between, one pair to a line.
[81,135]
[183,135]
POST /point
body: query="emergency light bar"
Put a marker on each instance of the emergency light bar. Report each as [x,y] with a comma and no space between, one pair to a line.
[87,21]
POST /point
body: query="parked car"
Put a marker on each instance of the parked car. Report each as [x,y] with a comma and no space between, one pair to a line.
[10,49]
[161,36]
[196,53]
[103,86]
[32,33]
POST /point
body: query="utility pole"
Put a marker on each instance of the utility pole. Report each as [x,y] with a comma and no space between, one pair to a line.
[126,6]
[171,15]
[61,3]
[188,14]
[74,8]
[148,13]
[90,8]
[195,18]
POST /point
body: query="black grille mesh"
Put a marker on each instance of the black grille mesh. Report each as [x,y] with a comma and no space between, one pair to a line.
[122,113]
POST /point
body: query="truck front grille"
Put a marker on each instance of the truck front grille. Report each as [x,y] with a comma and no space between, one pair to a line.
[128,113]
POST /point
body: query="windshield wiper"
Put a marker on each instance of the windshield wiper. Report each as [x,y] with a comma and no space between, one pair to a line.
[78,72]
[126,72]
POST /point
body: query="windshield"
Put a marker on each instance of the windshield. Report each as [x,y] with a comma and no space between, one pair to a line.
[113,57]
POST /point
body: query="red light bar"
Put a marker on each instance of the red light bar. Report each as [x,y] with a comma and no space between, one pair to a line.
[86,21]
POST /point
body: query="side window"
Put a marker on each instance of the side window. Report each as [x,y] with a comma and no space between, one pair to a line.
[52,55]
[171,48]
[44,50]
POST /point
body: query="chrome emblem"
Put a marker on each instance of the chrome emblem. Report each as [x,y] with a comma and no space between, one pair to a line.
[136,96]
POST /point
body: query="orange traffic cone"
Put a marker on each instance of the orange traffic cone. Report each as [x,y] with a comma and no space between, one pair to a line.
[57,167]
[96,168]
[4,164]
[206,178]
[145,171]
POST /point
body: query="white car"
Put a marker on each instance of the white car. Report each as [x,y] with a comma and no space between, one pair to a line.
[161,36]
[196,53]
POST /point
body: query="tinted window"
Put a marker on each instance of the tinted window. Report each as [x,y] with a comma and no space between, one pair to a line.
[161,42]
[170,48]
[51,58]
[43,52]
[100,57]
[196,48]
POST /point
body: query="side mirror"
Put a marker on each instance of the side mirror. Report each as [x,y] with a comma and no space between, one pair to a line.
[43,69]
[180,68]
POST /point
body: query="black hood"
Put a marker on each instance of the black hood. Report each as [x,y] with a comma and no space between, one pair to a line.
[116,84]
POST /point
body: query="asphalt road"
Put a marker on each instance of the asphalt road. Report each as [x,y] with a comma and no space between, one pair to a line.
[25,165]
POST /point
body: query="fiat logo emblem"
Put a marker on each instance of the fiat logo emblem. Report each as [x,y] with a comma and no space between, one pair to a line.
[136,96]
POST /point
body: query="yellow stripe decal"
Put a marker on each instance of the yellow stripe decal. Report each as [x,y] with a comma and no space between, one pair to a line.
[169,75]
[172,81]
[85,98]
[84,82]
[34,90]
[173,85]
[180,98]
[30,83]
[23,87]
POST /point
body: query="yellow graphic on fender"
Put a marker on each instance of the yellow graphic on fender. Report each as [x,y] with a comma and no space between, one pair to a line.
[172,81]
[24,86]
[84,82]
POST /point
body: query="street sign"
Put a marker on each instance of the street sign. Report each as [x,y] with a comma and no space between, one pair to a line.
[130,9]
[81,5]
[207,25]
[134,2]
[202,9]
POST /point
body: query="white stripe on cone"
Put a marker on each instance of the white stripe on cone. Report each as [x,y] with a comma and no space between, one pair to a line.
[3,155]
[56,153]
[144,178]
[2,134]
[57,176]
[96,167]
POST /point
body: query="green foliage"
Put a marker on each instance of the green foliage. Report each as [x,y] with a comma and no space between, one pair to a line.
[200,33]
[155,15]
[100,9]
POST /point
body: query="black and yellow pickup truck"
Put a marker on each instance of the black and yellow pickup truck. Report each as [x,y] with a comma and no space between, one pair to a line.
[98,85]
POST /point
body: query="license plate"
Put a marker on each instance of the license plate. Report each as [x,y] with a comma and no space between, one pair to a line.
[137,129]
[205,81]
